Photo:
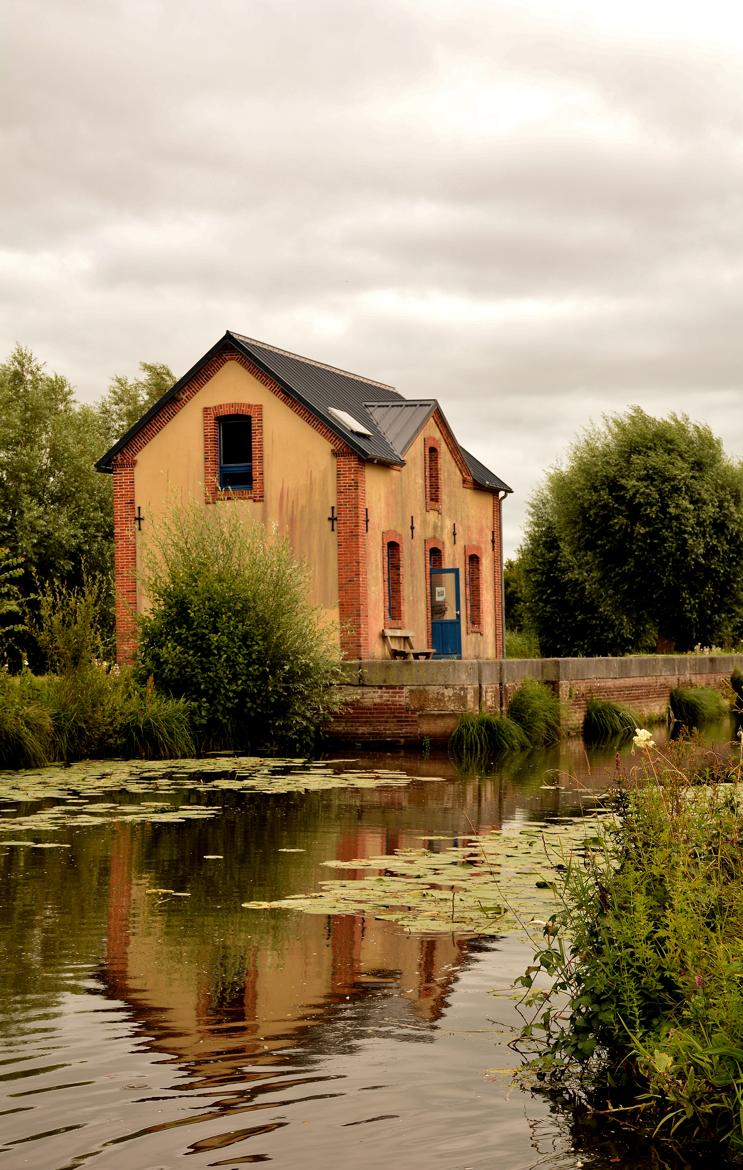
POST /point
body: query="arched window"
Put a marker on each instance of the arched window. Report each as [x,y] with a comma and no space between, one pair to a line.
[394,582]
[433,475]
[474,597]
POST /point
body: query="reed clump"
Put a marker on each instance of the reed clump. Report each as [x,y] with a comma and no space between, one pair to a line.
[536,709]
[606,723]
[479,739]
[694,706]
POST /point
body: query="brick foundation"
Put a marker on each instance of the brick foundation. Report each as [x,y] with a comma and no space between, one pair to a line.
[404,702]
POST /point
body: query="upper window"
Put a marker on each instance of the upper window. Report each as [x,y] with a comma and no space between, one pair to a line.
[236,453]
[433,475]
[233,452]
[474,595]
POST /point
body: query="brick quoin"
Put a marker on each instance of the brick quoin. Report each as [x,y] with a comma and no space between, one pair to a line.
[125,559]
[500,627]
[353,594]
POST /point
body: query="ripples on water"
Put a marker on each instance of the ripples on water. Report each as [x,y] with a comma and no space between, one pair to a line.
[140,1029]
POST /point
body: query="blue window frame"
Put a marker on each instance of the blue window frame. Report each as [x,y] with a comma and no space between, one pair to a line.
[236,453]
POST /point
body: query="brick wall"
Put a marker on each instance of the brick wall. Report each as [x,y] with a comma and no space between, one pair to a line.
[388,701]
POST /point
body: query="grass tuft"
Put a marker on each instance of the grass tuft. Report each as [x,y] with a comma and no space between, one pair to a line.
[606,723]
[536,709]
[694,706]
[480,739]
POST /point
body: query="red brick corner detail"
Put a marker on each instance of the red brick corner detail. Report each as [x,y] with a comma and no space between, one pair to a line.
[125,559]
[353,601]
[500,624]
[473,591]
[212,490]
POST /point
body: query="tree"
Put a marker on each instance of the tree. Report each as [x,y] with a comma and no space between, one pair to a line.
[54,506]
[127,399]
[231,631]
[637,544]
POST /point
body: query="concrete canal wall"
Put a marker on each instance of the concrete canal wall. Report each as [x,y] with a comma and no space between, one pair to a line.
[404,702]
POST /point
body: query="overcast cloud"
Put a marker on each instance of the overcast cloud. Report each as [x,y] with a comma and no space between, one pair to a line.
[532,211]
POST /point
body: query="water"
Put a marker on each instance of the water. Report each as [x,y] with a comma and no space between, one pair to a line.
[139,1029]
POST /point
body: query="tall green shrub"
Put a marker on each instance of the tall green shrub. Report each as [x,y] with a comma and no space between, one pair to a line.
[231,630]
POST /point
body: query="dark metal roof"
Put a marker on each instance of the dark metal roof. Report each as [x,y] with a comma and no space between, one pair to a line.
[482,476]
[320,387]
[393,421]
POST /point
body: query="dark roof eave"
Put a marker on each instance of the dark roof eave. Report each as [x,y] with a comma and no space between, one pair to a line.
[105,463]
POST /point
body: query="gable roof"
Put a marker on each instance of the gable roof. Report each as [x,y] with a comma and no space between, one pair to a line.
[390,421]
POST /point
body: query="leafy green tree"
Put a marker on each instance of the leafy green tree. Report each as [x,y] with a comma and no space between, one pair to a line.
[231,631]
[55,512]
[637,544]
[127,399]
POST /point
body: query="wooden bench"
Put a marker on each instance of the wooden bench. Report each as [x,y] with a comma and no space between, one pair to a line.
[400,645]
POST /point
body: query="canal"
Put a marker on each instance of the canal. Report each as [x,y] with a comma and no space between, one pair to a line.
[149,1020]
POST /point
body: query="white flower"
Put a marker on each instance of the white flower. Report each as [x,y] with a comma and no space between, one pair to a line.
[643,738]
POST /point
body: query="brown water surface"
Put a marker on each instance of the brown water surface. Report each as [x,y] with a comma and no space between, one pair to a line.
[147,1030]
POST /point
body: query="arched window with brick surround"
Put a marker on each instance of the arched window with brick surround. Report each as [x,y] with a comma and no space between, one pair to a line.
[433,474]
[233,452]
[393,579]
[473,588]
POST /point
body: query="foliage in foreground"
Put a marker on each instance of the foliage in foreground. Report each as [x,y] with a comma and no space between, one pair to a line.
[231,631]
[607,723]
[637,543]
[536,709]
[647,951]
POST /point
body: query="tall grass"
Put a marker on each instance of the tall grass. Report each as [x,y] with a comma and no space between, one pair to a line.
[26,728]
[606,723]
[694,706]
[479,740]
[647,947]
[536,709]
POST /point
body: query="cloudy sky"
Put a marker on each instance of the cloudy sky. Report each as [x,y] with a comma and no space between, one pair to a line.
[532,211]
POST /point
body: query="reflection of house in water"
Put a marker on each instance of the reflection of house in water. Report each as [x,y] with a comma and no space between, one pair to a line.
[217,1004]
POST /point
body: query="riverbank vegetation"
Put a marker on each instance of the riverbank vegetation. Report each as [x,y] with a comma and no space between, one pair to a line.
[231,657]
[644,1017]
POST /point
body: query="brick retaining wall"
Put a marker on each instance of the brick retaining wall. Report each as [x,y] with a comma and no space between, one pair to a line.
[403,702]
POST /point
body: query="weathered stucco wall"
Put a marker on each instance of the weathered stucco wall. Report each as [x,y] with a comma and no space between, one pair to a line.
[407,701]
[392,498]
[299,478]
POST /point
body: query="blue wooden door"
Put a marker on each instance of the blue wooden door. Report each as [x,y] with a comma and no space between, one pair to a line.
[446,629]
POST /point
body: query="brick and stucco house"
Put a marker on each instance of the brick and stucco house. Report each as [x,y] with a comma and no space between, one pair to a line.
[401,527]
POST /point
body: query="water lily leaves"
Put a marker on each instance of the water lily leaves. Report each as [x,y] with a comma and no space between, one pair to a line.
[484,887]
[70,794]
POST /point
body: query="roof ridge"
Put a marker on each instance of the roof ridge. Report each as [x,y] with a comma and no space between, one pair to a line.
[311,362]
[403,401]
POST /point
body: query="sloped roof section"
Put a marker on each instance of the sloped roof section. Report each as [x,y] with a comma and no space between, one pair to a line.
[391,421]
[401,421]
[482,476]
[321,387]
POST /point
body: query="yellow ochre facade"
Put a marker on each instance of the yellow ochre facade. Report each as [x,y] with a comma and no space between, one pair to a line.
[372,491]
